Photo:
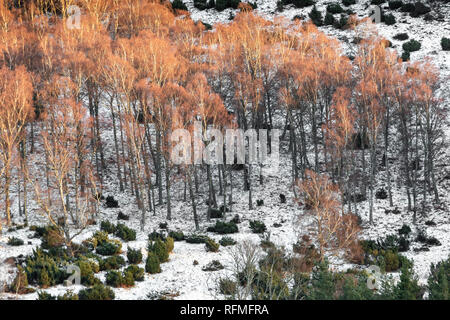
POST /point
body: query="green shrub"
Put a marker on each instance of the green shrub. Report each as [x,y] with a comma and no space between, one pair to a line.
[445,43]
[389,19]
[125,233]
[42,295]
[302,3]
[118,279]
[257,226]
[392,261]
[177,235]
[404,230]
[109,248]
[112,263]
[405,56]
[408,7]
[342,23]
[152,264]
[396,4]
[224,4]
[69,295]
[87,269]
[170,244]
[15,242]
[52,237]
[107,227]
[159,248]
[227,241]
[134,256]
[420,9]
[408,288]
[138,273]
[196,238]
[97,292]
[438,281]
[156,235]
[348,2]
[401,36]
[224,227]
[211,246]
[114,278]
[412,45]
[43,270]
[334,8]
[227,287]
[179,5]
[316,16]
[329,19]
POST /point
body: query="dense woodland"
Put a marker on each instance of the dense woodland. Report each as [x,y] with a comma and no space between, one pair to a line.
[145,69]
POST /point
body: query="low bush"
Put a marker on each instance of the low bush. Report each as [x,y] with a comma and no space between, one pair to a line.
[420,9]
[224,227]
[43,270]
[112,263]
[214,265]
[138,273]
[445,43]
[109,248]
[396,4]
[196,238]
[170,244]
[211,246]
[88,269]
[411,46]
[227,241]
[125,233]
[176,235]
[334,8]
[15,242]
[348,2]
[134,256]
[97,292]
[389,19]
[179,5]
[159,248]
[438,281]
[404,230]
[118,279]
[405,56]
[152,265]
[156,235]
[227,287]
[401,36]
[257,226]
[108,227]
[408,7]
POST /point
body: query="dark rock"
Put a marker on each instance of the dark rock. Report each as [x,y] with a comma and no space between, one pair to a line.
[259,203]
[282,198]
[430,223]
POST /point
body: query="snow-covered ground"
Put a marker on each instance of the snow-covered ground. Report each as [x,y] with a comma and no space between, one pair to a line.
[182,279]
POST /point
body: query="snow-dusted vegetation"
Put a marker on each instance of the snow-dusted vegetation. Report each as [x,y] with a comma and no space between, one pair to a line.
[357,208]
